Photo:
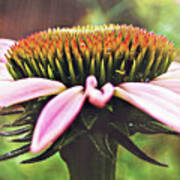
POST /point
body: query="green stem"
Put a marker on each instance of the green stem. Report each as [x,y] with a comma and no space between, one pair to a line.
[86,163]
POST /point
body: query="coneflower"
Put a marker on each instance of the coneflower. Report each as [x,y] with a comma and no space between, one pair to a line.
[74,89]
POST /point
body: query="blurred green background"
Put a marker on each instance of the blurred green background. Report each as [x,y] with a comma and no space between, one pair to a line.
[19,18]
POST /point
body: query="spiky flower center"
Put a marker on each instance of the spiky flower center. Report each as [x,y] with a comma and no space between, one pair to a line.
[113,53]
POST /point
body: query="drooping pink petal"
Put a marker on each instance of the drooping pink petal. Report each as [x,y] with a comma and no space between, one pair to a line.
[174,66]
[158,102]
[97,97]
[172,73]
[14,92]
[169,75]
[4,74]
[171,84]
[138,88]
[5,44]
[56,117]
[170,79]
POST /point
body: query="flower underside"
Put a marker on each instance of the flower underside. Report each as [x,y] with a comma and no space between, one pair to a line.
[116,122]
[113,53]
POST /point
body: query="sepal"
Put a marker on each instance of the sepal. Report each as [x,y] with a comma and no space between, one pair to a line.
[125,142]
[15,153]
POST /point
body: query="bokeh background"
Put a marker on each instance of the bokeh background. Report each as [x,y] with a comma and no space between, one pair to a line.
[18,18]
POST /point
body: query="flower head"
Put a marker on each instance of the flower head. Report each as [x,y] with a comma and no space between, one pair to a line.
[75,81]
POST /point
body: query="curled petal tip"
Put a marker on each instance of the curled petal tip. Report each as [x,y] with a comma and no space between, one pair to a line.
[91,82]
[100,98]
[97,97]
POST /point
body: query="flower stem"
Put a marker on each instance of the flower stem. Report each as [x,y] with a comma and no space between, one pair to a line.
[85,162]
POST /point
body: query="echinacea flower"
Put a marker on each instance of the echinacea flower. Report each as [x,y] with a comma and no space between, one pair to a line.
[81,81]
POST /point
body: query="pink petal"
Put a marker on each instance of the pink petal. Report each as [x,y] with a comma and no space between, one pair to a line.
[171,84]
[174,66]
[56,117]
[26,89]
[5,44]
[156,101]
[95,96]
[139,88]
[172,73]
[4,74]
[91,82]
[170,79]
[169,75]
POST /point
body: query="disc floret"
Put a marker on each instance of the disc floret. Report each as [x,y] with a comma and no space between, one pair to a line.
[113,53]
